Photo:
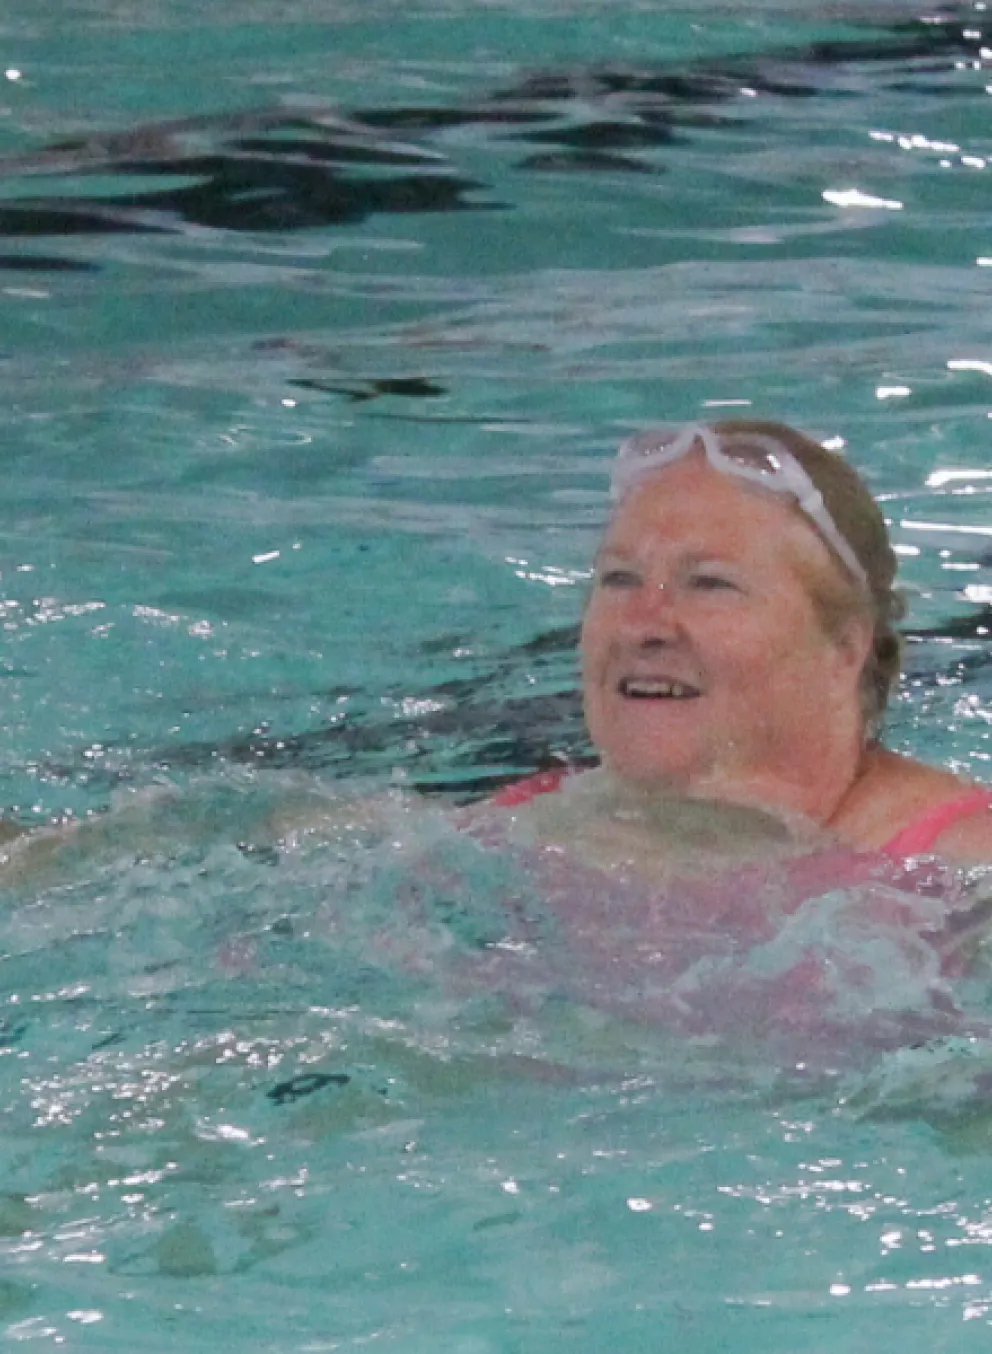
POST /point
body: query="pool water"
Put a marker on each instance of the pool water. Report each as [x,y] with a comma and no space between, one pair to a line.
[319,324]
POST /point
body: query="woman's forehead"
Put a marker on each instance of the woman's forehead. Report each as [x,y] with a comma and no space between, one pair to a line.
[689,497]
[695,510]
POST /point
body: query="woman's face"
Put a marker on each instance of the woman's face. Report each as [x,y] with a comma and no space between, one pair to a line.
[705,662]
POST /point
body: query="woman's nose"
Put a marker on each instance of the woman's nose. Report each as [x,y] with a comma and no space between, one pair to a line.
[653,610]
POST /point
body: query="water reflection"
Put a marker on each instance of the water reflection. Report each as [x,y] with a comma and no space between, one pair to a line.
[297,168]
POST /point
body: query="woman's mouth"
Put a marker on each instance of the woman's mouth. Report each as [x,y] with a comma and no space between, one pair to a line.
[643,688]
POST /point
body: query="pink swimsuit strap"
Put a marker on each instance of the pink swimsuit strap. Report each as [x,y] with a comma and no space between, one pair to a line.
[920,835]
[917,838]
[523,791]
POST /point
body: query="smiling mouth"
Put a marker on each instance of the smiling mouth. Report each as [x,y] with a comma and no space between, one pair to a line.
[642,689]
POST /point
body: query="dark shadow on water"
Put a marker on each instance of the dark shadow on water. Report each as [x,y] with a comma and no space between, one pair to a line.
[288,169]
[473,738]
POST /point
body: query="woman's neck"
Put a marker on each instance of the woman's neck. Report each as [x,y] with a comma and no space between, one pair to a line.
[817,789]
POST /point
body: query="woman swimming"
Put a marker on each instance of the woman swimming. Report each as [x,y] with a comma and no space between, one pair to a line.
[735,864]
[738,646]
[748,853]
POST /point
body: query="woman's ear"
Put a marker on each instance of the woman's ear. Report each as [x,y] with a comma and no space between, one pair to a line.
[854,639]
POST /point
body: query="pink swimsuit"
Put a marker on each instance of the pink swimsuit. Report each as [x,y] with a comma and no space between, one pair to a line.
[794,953]
[917,838]
[920,835]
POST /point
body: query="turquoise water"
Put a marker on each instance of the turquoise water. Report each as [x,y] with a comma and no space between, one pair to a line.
[318,325]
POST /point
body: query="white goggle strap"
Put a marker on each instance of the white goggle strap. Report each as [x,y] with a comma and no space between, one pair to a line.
[793,479]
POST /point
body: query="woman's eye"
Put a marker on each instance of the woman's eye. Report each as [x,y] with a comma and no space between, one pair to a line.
[709,582]
[619,578]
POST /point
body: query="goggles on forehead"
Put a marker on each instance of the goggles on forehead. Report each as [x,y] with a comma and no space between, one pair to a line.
[752,456]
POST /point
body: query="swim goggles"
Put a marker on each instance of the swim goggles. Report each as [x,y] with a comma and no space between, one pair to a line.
[751,456]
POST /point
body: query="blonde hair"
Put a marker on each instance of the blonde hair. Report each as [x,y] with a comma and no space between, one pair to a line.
[859,520]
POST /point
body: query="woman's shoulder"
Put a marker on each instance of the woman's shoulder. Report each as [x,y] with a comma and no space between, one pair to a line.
[966,837]
[914,809]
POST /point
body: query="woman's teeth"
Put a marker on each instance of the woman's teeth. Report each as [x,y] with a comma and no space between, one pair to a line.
[650,690]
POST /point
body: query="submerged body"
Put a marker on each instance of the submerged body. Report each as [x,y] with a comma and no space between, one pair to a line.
[749,856]
[729,924]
